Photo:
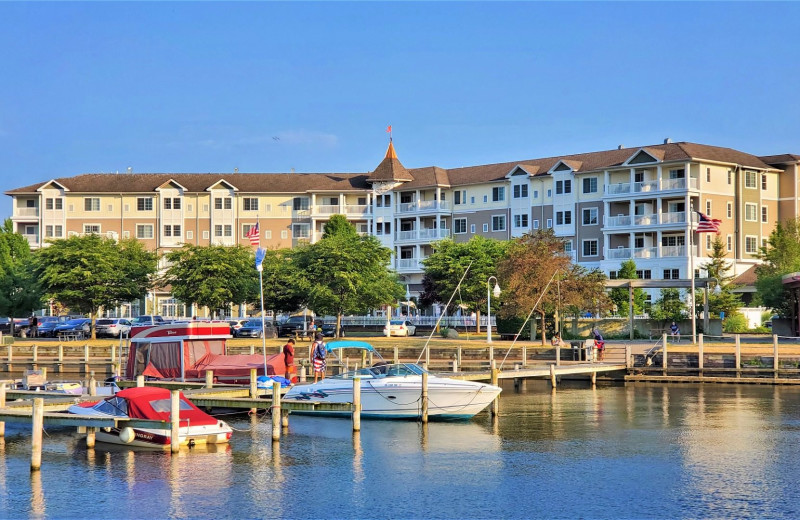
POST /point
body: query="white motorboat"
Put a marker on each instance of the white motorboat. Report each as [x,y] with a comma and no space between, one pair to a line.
[394,391]
[196,426]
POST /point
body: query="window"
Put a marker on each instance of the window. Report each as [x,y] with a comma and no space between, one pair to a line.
[301,203]
[679,173]
[268,234]
[472,228]
[708,208]
[644,274]
[48,203]
[638,176]
[91,204]
[750,180]
[590,217]
[387,228]
[223,203]
[406,198]
[189,235]
[730,210]
[284,233]
[90,229]
[205,235]
[708,241]
[535,194]
[590,185]
[612,275]
[58,231]
[590,248]
[729,176]
[568,247]
[520,191]
[486,228]
[54,204]
[564,186]
[48,231]
[170,230]
[672,274]
[763,181]
[521,221]
[563,218]
[751,245]
[53,231]
[708,174]
[172,203]
[217,230]
[459,225]
[498,193]
[673,240]
[763,214]
[144,204]
[549,223]
[730,243]
[301,231]
[559,187]
[498,222]
[144,231]
[460,197]
[167,203]
[750,212]
[536,223]
[228,230]
[250,204]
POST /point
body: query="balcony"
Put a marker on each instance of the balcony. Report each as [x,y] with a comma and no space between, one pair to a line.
[408,264]
[33,240]
[645,220]
[673,217]
[645,186]
[619,188]
[673,251]
[422,235]
[645,252]
[423,206]
[619,253]
[625,188]
[26,212]
[351,210]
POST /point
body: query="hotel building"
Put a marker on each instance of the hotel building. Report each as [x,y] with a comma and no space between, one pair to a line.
[608,206]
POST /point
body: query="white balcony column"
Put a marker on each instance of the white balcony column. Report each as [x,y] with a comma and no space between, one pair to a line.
[631,241]
[342,207]
[658,244]
[438,198]
[313,206]
[417,200]
[659,218]
[632,178]
[606,245]
[659,172]
[606,209]
[418,255]
[417,227]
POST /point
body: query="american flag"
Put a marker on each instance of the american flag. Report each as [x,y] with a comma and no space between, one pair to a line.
[706,224]
[252,234]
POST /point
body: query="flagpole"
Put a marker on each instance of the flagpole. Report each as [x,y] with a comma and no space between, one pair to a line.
[691,270]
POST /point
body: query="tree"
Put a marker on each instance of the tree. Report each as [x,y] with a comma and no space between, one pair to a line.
[285,287]
[346,272]
[620,295]
[533,260]
[19,291]
[781,256]
[212,276]
[447,264]
[726,301]
[89,272]
[669,307]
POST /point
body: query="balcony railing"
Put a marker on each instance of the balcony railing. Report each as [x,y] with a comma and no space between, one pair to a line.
[645,252]
[619,253]
[645,186]
[645,220]
[623,188]
[423,205]
[422,234]
[33,240]
[673,217]
[673,250]
[618,221]
[347,209]
[618,188]
[26,212]
[408,264]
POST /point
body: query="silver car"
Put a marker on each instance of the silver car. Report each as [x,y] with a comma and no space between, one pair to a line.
[113,327]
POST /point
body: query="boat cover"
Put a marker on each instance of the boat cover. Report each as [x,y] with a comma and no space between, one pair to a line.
[154,403]
[236,366]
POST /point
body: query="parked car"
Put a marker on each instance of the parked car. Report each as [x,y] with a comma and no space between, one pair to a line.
[329,329]
[47,325]
[400,328]
[147,319]
[74,326]
[294,323]
[252,329]
[236,325]
[113,327]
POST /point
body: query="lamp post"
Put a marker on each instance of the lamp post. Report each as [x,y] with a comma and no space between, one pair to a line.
[717,290]
[489,292]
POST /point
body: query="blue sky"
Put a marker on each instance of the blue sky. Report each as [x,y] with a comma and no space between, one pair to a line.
[267,87]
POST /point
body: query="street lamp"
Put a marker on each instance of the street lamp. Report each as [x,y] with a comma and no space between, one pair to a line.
[489,292]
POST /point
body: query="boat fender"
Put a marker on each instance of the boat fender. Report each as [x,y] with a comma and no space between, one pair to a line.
[127,435]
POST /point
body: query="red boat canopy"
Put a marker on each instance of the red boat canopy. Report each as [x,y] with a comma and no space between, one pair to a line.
[154,403]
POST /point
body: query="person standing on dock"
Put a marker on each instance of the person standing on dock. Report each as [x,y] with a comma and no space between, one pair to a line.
[288,358]
[318,357]
[599,344]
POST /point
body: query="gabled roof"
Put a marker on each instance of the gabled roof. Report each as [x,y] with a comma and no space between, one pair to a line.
[529,170]
[223,182]
[784,158]
[646,156]
[390,169]
[171,183]
[52,183]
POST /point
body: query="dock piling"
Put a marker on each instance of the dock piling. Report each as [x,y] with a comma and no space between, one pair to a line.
[36,434]
[276,411]
[209,379]
[357,404]
[175,420]
[775,363]
[92,390]
[424,396]
[140,381]
[2,405]
[553,376]
[495,375]
[253,387]
[90,437]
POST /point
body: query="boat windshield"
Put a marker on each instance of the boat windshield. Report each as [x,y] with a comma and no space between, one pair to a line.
[113,406]
[383,370]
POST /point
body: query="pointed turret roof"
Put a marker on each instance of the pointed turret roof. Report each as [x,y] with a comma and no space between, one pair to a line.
[390,169]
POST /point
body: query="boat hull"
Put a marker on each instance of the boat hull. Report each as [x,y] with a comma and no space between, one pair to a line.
[400,398]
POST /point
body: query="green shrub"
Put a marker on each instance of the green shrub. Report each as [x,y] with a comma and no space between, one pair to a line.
[735,323]
[512,325]
[444,331]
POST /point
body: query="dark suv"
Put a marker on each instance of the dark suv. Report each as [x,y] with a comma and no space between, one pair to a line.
[294,323]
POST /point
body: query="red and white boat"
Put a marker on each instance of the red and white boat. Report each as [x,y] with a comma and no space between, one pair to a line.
[186,351]
[196,426]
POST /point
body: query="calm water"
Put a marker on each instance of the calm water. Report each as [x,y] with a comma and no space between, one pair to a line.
[615,452]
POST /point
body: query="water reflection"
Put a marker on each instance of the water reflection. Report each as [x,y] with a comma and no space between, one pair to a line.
[38,506]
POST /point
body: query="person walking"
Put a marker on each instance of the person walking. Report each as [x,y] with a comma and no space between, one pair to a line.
[318,357]
[288,358]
